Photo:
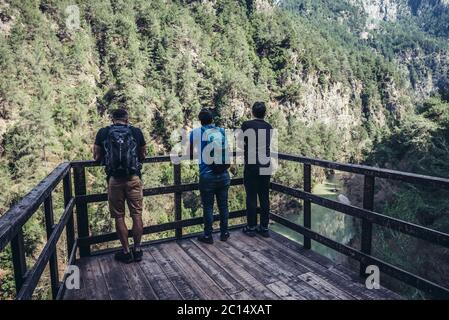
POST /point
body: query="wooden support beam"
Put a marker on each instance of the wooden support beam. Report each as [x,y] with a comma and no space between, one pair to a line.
[178,198]
[82,216]
[18,259]
[367,226]
[35,273]
[307,203]
[68,195]
[53,261]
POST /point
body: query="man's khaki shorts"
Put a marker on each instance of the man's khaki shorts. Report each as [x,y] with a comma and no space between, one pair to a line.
[125,189]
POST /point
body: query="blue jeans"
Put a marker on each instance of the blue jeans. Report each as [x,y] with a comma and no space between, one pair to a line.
[211,186]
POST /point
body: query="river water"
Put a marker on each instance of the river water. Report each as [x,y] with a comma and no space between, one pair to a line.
[327,222]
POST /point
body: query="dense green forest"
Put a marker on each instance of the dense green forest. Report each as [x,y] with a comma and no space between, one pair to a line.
[416,42]
[332,93]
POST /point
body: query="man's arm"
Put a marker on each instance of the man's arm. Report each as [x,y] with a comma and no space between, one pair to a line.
[97,149]
[142,153]
[142,145]
[98,153]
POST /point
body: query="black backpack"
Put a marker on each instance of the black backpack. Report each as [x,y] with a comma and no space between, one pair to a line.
[121,156]
[220,145]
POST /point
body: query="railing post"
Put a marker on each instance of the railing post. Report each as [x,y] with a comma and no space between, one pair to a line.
[178,198]
[53,262]
[70,227]
[82,217]
[367,227]
[307,205]
[18,259]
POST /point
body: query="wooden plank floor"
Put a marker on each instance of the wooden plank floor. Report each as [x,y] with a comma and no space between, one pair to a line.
[241,268]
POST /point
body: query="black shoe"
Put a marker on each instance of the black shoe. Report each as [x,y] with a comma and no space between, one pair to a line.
[138,254]
[206,239]
[263,232]
[124,257]
[224,236]
[249,232]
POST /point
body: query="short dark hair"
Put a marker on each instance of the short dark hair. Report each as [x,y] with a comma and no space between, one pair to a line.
[119,114]
[259,110]
[205,116]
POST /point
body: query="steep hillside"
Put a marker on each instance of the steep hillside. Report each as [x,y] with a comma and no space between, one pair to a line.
[164,60]
[412,34]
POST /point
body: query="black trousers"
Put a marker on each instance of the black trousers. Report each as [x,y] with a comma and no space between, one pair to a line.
[257,186]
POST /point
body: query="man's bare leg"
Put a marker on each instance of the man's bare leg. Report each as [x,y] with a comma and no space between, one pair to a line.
[137,230]
[122,232]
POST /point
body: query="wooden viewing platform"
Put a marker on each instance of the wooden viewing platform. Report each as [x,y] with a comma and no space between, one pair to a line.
[241,268]
[181,268]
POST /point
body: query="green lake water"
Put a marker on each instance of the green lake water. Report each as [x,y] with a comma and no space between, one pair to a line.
[327,222]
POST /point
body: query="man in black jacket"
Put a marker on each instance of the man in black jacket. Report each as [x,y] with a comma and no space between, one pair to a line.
[124,187]
[257,135]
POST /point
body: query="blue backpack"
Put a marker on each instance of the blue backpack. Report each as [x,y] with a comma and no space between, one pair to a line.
[216,137]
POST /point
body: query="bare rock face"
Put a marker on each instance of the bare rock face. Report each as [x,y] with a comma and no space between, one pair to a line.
[263,5]
[434,71]
[337,106]
[381,10]
[6,19]
[329,105]
[433,67]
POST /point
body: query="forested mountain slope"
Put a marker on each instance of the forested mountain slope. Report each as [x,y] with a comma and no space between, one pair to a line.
[413,35]
[164,60]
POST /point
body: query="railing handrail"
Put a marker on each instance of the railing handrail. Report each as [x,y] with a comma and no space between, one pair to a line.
[415,230]
[13,219]
[370,171]
[384,173]
[92,163]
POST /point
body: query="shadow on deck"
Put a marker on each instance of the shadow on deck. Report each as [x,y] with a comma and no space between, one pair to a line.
[242,268]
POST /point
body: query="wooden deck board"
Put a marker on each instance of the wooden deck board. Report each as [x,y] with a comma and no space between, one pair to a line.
[93,279]
[340,275]
[242,268]
[250,283]
[294,269]
[212,268]
[283,269]
[176,274]
[116,281]
[197,275]
[139,284]
[162,286]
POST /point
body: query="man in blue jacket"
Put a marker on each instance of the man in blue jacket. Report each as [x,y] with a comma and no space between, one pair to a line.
[208,145]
